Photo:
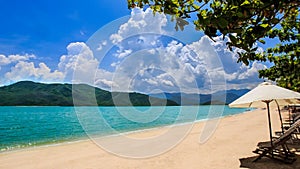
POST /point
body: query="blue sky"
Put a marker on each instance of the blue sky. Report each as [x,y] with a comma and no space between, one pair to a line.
[45,28]
[104,44]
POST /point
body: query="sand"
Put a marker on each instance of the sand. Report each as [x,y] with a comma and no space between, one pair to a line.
[232,143]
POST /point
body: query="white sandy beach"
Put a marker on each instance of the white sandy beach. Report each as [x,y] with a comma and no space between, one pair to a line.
[235,138]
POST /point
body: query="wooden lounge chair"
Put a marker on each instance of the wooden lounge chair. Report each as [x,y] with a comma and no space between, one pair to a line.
[278,149]
[287,125]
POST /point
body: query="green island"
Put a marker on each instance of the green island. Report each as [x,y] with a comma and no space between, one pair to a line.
[28,93]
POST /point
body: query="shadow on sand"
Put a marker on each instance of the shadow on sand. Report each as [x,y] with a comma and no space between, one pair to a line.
[267,163]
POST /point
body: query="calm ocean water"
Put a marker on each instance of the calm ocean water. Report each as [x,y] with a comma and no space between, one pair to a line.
[33,126]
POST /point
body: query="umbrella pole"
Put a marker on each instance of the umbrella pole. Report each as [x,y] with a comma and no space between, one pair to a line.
[269,118]
[280,117]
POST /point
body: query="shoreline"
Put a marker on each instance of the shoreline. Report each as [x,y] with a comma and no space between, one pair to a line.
[88,138]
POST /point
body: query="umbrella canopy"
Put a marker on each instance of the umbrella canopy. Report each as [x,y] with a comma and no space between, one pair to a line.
[267,91]
[267,95]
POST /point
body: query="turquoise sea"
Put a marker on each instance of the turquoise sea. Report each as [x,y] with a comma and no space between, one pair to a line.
[22,127]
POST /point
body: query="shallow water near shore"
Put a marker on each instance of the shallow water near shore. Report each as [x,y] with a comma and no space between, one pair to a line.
[22,127]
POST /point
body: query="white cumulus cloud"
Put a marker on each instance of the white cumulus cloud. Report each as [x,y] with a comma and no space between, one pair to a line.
[140,22]
[79,64]
[122,54]
[28,71]
[101,45]
[5,60]
[203,66]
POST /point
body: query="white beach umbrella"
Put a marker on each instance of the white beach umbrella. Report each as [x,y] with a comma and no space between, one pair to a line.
[267,95]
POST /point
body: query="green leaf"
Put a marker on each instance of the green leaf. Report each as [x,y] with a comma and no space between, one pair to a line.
[218,3]
[232,39]
[240,14]
[222,22]
[245,3]
[275,21]
[265,25]
[262,41]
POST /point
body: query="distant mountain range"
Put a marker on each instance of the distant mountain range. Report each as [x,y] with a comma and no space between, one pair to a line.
[27,93]
[221,97]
